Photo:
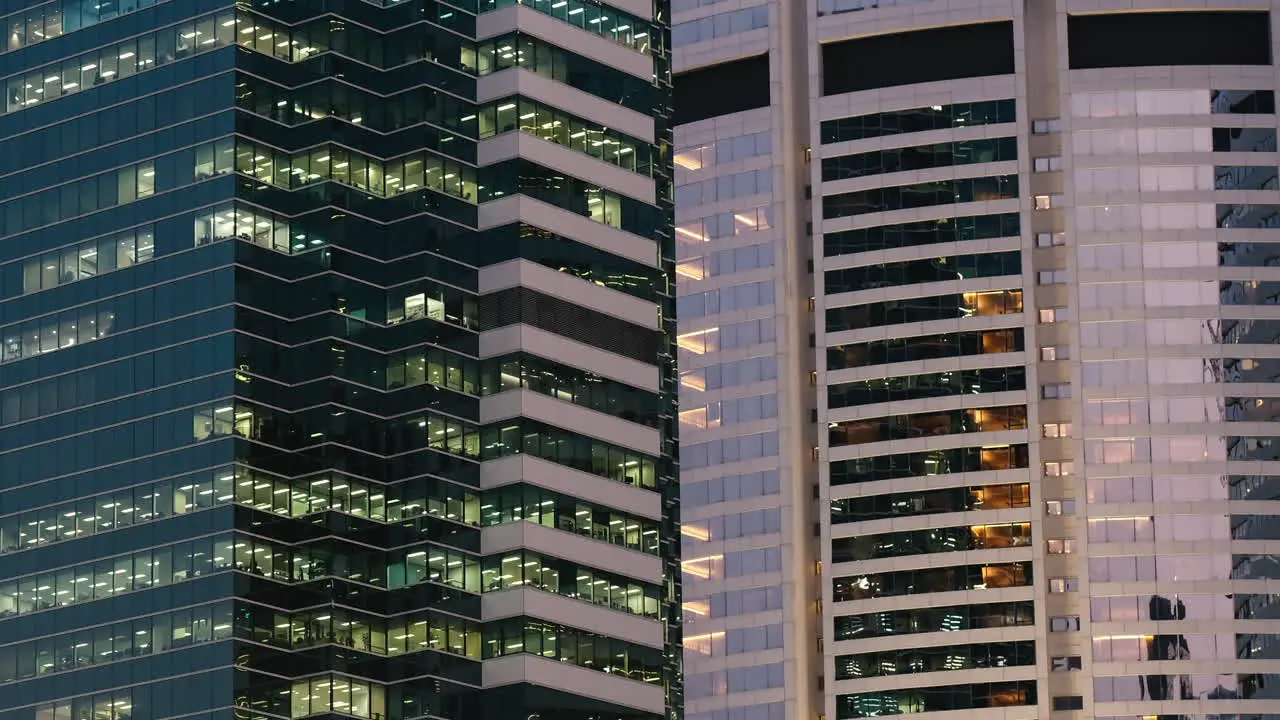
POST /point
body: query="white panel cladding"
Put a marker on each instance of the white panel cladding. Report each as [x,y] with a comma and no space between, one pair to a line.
[584,486]
[574,680]
[526,273]
[563,610]
[519,81]
[569,161]
[568,546]
[519,337]
[562,34]
[881,17]
[571,417]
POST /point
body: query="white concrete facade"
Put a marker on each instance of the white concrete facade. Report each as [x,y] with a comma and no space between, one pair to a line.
[1035,468]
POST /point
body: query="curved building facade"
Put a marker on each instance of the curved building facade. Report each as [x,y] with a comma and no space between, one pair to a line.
[1044,245]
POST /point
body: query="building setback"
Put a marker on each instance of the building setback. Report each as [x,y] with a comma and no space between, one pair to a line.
[336,361]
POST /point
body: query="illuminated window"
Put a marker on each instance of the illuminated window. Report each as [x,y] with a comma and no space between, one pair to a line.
[1056,430]
[1047,202]
[1060,507]
[1059,468]
[1064,585]
[700,341]
[1061,546]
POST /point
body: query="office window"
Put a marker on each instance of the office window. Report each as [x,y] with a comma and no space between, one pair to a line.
[1052,239]
[1064,663]
[1046,126]
[1064,584]
[1049,353]
[1058,468]
[1055,391]
[1068,702]
[1064,623]
[1048,164]
[1047,202]
[1060,507]
[1054,315]
[1056,430]
[1061,546]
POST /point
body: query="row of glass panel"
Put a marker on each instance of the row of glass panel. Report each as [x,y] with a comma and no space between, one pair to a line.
[299,498]
[927,424]
[623,28]
[574,647]
[117,705]
[54,19]
[236,221]
[933,540]
[557,126]
[178,629]
[170,564]
[125,59]
[296,44]
[89,259]
[295,107]
[383,636]
[384,178]
[86,195]
[119,641]
[55,332]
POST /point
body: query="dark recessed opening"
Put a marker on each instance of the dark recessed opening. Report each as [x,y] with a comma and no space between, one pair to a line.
[721,89]
[1168,38]
[919,56]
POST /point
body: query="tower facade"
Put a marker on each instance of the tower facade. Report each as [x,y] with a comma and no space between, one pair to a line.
[1041,237]
[336,361]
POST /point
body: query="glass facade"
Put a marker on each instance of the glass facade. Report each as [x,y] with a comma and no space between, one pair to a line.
[279,435]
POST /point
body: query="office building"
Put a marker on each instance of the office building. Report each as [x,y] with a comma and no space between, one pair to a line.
[1034,475]
[336,367]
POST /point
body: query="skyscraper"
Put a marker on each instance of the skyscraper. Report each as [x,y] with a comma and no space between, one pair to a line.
[336,369]
[1042,238]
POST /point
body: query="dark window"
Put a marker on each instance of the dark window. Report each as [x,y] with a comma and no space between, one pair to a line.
[1239,102]
[929,462]
[952,618]
[1244,139]
[925,232]
[587,326]
[1068,702]
[936,659]
[934,117]
[918,56]
[936,699]
[938,307]
[927,424]
[924,347]
[927,270]
[962,538]
[1168,38]
[927,385]
[920,157]
[721,89]
[926,194]
[930,502]
[973,578]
